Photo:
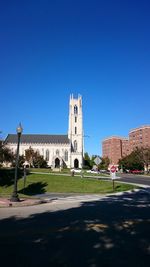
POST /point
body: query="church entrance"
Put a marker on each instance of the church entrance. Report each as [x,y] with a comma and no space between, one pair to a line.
[57,163]
[76,164]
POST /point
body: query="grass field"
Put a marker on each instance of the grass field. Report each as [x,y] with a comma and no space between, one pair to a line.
[66,171]
[42,183]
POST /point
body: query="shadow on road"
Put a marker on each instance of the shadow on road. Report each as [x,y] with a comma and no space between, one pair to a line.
[111,232]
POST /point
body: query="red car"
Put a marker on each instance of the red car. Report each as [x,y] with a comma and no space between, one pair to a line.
[136,171]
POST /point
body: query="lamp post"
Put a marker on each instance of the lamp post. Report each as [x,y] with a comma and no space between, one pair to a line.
[14,196]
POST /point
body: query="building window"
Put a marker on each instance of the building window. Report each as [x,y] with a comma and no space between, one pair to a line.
[66,155]
[75,146]
[75,130]
[75,119]
[57,152]
[75,109]
[47,155]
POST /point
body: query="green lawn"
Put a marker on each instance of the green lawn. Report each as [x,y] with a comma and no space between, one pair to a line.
[66,171]
[42,183]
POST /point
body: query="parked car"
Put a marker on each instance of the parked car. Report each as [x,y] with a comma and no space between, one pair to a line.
[76,170]
[92,171]
[136,171]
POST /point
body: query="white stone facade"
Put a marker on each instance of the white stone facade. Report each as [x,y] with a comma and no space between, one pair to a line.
[49,151]
[70,153]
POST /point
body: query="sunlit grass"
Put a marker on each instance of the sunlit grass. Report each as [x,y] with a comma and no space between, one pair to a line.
[42,183]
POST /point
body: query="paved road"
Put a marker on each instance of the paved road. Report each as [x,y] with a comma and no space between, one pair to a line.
[108,231]
[136,179]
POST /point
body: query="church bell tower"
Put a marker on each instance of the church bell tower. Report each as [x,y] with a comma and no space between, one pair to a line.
[75,132]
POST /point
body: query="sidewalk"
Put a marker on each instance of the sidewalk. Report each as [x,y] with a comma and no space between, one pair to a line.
[5,202]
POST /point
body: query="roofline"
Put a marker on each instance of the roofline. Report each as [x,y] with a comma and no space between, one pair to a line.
[40,134]
[115,137]
[139,128]
[36,143]
[29,143]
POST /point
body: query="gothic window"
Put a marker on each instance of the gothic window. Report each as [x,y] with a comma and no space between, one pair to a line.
[75,130]
[75,109]
[47,155]
[57,152]
[75,146]
[66,155]
[76,163]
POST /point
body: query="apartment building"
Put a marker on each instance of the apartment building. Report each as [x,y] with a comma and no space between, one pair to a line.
[125,147]
[139,137]
[115,148]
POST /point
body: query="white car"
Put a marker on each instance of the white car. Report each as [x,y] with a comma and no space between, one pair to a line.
[76,170]
[92,171]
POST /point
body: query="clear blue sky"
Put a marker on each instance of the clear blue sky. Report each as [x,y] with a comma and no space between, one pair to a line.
[99,49]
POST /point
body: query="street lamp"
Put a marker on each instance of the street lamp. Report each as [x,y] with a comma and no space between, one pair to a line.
[14,196]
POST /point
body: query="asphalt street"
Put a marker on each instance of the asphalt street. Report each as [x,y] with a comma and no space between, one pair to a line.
[136,179]
[71,232]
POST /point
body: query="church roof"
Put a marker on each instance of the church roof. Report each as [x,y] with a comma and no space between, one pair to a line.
[38,139]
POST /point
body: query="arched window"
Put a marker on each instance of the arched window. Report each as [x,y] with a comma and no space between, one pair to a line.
[76,163]
[75,109]
[75,119]
[75,130]
[47,155]
[57,163]
[57,152]
[66,155]
[75,146]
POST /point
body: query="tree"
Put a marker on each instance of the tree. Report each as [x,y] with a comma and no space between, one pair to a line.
[133,161]
[87,161]
[29,154]
[104,163]
[21,160]
[6,155]
[39,161]
[35,159]
[144,155]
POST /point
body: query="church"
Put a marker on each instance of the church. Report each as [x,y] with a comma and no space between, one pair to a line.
[57,150]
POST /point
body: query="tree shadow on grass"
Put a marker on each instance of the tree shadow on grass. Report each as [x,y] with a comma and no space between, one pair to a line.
[7,176]
[111,232]
[34,189]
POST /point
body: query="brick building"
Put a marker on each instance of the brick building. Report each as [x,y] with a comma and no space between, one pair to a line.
[115,148]
[125,147]
[139,137]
